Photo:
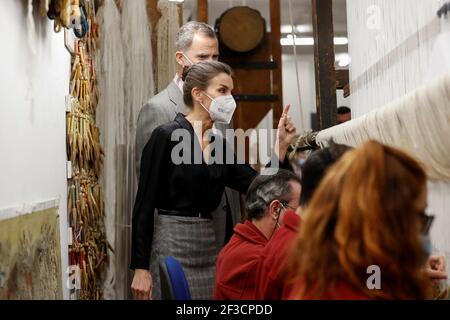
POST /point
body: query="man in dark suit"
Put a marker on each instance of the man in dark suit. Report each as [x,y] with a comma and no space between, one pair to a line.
[196,42]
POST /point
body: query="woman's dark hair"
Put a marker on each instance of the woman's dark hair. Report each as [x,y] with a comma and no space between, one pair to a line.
[315,168]
[344,110]
[200,75]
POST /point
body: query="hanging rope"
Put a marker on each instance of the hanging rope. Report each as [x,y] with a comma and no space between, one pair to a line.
[139,86]
[113,121]
[294,47]
[89,248]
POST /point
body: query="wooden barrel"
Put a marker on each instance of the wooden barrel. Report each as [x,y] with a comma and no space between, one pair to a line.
[241,29]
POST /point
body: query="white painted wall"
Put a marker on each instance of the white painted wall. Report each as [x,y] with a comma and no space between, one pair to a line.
[32,115]
[305,64]
[290,93]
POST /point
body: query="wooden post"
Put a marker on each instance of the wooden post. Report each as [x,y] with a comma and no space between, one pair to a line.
[342,79]
[202,8]
[324,63]
[275,26]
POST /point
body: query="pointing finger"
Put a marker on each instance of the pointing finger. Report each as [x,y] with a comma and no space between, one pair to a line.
[286,110]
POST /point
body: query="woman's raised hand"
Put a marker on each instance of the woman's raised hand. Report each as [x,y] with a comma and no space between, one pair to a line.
[285,133]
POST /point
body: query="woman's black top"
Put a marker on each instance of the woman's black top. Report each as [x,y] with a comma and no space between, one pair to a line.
[186,187]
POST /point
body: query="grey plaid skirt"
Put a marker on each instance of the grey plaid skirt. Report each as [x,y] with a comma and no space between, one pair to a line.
[192,242]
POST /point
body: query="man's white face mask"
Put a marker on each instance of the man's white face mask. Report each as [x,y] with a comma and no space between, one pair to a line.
[187,58]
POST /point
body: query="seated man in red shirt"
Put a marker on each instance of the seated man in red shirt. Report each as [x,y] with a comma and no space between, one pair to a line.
[271,284]
[268,198]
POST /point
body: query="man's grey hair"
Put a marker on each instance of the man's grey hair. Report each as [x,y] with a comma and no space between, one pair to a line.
[267,188]
[189,30]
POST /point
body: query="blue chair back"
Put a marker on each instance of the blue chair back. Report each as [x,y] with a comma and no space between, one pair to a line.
[174,285]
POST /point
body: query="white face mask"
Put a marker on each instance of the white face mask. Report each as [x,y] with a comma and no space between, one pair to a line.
[222,108]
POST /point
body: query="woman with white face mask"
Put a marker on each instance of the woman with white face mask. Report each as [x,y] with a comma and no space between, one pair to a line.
[183,176]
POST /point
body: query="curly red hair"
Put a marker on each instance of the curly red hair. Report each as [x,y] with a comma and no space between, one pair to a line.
[363,213]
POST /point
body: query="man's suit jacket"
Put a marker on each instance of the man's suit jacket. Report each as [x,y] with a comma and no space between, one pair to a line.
[162,109]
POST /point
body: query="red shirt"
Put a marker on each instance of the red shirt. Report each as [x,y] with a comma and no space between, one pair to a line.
[236,273]
[341,291]
[271,282]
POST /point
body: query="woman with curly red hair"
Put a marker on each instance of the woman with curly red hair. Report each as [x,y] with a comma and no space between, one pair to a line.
[368,211]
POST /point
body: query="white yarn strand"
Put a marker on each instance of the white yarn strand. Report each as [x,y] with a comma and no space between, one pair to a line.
[397,47]
[111,117]
[402,31]
[139,86]
[418,123]
[168,27]
[125,84]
